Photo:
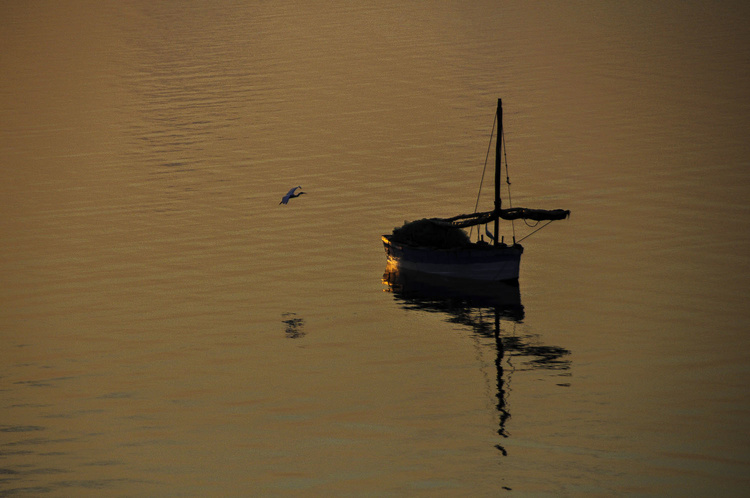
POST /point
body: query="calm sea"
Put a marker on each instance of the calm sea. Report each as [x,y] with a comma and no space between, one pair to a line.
[169,329]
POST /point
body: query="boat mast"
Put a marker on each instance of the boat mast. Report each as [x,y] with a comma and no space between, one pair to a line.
[498,167]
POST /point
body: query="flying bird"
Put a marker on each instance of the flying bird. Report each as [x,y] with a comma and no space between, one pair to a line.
[291,195]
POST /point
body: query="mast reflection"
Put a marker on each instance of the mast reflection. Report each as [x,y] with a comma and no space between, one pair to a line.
[480,306]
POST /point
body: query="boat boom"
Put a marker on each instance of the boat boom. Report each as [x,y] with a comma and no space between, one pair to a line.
[517,213]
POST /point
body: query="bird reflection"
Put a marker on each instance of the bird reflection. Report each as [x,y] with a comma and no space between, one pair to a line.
[294,326]
[482,307]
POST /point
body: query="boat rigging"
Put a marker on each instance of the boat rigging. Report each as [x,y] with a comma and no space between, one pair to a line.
[440,246]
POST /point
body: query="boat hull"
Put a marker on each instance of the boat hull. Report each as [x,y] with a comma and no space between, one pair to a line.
[485,263]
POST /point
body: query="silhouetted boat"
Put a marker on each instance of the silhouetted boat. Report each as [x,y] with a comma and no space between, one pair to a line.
[439,246]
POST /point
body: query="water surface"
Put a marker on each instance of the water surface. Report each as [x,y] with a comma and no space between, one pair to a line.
[169,329]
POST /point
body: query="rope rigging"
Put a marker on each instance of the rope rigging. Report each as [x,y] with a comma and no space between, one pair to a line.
[510,213]
[507,181]
[486,160]
[507,178]
[535,231]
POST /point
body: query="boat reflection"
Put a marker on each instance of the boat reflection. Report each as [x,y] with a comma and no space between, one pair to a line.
[481,306]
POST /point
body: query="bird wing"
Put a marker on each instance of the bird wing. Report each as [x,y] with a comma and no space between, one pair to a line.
[288,195]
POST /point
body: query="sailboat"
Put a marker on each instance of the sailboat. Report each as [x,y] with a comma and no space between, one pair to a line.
[440,246]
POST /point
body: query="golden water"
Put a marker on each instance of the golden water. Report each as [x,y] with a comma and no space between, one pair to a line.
[168,329]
